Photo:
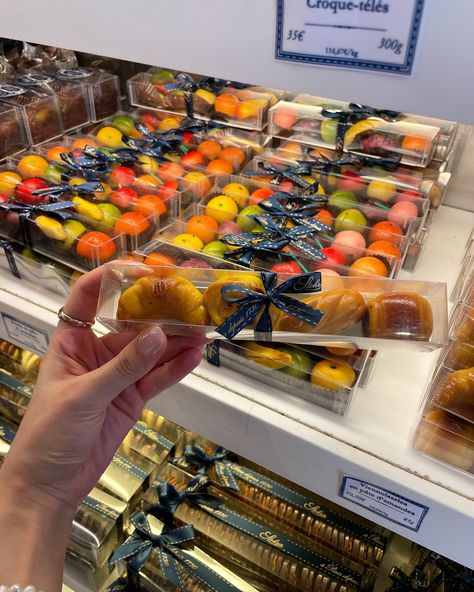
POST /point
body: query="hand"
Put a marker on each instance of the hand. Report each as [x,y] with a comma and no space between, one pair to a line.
[90,391]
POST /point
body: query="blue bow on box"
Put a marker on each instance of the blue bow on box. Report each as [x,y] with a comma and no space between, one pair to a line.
[136,551]
[302,215]
[24,211]
[250,303]
[291,173]
[197,457]
[188,85]
[327,165]
[197,125]
[78,167]
[57,190]
[271,242]
[101,161]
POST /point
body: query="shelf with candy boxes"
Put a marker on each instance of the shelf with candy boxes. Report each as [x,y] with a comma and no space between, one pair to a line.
[381,181]
[359,130]
[366,313]
[448,129]
[224,226]
[326,378]
[13,137]
[72,96]
[21,363]
[304,512]
[201,97]
[251,541]
[39,110]
[23,263]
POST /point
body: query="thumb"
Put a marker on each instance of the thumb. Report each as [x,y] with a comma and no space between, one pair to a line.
[130,365]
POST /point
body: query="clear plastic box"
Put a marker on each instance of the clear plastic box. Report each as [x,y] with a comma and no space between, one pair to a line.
[39,108]
[257,361]
[457,355]
[366,313]
[72,97]
[448,129]
[453,391]
[103,89]
[414,143]
[12,132]
[461,323]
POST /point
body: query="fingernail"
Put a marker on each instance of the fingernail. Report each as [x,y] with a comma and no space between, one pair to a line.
[151,341]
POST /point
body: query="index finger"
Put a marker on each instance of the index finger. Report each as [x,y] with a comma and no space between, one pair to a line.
[82,303]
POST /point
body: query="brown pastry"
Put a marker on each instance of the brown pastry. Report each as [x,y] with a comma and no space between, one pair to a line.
[218,309]
[457,393]
[399,315]
[447,438]
[342,309]
[459,356]
[464,330]
[164,297]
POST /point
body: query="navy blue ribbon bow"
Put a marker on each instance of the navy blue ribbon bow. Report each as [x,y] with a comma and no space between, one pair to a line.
[102,161]
[197,125]
[270,242]
[291,173]
[79,167]
[25,211]
[57,190]
[198,458]
[301,215]
[9,248]
[188,85]
[250,303]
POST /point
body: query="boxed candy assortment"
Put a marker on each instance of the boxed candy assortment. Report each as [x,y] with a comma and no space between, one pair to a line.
[366,313]
[80,573]
[72,97]
[452,390]
[12,131]
[21,363]
[358,130]
[461,321]
[448,129]
[97,528]
[172,561]
[202,97]
[14,397]
[302,511]
[39,108]
[326,380]
[250,542]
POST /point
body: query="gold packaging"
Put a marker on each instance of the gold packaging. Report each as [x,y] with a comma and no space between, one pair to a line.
[97,528]
[79,575]
[315,519]
[126,478]
[266,556]
[14,397]
[151,577]
[166,428]
[23,364]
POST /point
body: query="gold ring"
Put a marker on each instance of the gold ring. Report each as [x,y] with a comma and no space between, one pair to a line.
[72,321]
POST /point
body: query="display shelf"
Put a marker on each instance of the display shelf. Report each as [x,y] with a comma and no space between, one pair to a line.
[311,446]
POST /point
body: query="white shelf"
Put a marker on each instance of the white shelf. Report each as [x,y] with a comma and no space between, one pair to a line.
[310,445]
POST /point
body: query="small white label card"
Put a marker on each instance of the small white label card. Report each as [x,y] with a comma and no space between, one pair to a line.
[379,35]
[25,335]
[388,504]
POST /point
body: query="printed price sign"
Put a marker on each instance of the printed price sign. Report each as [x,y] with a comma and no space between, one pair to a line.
[384,502]
[378,35]
[25,335]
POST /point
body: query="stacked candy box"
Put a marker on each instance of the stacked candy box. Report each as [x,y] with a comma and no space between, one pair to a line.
[103,89]
[346,186]
[359,130]
[245,538]
[39,109]
[72,96]
[12,131]
[202,97]
[361,312]
[448,129]
[250,237]
[313,374]
[24,263]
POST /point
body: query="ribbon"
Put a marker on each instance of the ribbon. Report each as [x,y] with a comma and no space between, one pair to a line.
[57,190]
[251,302]
[119,585]
[354,113]
[456,577]
[271,242]
[188,85]
[197,457]
[102,160]
[403,583]
[299,215]
[9,248]
[197,125]
[24,211]
[291,173]
[77,167]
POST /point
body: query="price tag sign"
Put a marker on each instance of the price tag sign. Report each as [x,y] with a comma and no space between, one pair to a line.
[383,502]
[376,35]
[25,335]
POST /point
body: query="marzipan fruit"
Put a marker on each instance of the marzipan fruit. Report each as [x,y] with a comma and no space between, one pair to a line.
[218,309]
[269,357]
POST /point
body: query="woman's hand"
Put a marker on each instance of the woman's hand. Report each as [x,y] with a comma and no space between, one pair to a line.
[90,391]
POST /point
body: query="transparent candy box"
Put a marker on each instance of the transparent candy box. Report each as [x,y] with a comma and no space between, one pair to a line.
[452,391]
[366,313]
[266,363]
[12,131]
[375,136]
